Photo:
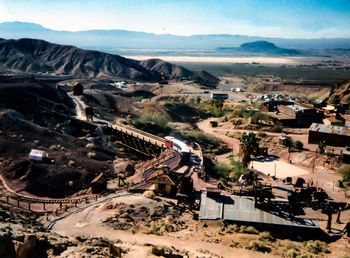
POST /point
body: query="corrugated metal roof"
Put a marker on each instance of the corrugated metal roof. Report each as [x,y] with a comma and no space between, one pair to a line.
[242,209]
[331,129]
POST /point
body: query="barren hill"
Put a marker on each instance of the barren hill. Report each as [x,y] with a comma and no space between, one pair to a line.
[340,93]
[171,71]
[260,47]
[32,55]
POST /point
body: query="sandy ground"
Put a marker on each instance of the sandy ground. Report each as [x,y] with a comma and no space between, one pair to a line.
[88,222]
[279,168]
[79,107]
[258,59]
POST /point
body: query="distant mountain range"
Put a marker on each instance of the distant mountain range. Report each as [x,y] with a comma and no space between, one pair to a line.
[33,55]
[260,47]
[109,40]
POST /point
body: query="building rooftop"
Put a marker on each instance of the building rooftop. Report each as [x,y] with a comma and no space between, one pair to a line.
[297,107]
[331,129]
[242,209]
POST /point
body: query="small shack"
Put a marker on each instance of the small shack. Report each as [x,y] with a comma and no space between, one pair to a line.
[38,155]
[213,123]
[98,184]
[163,182]
[284,140]
[78,89]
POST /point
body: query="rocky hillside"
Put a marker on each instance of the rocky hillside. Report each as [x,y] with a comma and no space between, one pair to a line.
[171,71]
[33,55]
[340,93]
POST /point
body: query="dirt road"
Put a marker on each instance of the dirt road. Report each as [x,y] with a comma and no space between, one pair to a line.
[88,222]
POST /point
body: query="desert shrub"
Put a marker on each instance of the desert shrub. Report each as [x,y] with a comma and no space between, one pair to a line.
[316,247]
[149,194]
[306,254]
[196,78]
[231,228]
[214,108]
[276,128]
[236,135]
[161,226]
[210,144]
[237,169]
[291,245]
[262,134]
[248,230]
[154,124]
[298,145]
[259,246]
[292,253]
[71,163]
[235,244]
[230,172]
[92,155]
[266,236]
[344,172]
[222,170]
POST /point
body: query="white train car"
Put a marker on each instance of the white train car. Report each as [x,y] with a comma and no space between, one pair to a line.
[172,142]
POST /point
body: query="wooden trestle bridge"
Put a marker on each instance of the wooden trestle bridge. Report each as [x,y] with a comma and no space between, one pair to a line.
[132,138]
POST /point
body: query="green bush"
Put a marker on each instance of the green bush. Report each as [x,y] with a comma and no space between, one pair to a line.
[214,108]
[259,246]
[237,169]
[222,170]
[230,172]
[154,124]
[210,144]
[298,145]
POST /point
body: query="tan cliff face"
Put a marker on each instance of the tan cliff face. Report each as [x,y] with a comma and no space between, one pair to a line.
[340,93]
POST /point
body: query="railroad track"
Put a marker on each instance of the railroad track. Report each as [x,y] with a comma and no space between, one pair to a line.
[7,192]
[159,141]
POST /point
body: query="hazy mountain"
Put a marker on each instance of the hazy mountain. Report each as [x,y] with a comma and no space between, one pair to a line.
[259,47]
[33,55]
[116,39]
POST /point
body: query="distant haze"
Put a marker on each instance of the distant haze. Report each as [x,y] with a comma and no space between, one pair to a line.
[264,18]
[118,39]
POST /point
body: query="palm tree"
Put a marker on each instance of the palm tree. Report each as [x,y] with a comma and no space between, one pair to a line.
[248,143]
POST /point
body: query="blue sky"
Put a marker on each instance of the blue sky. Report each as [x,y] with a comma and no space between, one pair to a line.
[272,18]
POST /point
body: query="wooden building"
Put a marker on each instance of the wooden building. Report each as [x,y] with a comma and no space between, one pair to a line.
[163,182]
[333,135]
[98,184]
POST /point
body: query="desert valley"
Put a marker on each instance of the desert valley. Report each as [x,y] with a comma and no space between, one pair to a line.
[118,143]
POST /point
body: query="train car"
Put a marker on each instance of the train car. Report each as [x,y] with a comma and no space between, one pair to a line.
[172,142]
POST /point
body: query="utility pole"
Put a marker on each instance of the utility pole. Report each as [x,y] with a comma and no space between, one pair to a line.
[313,163]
